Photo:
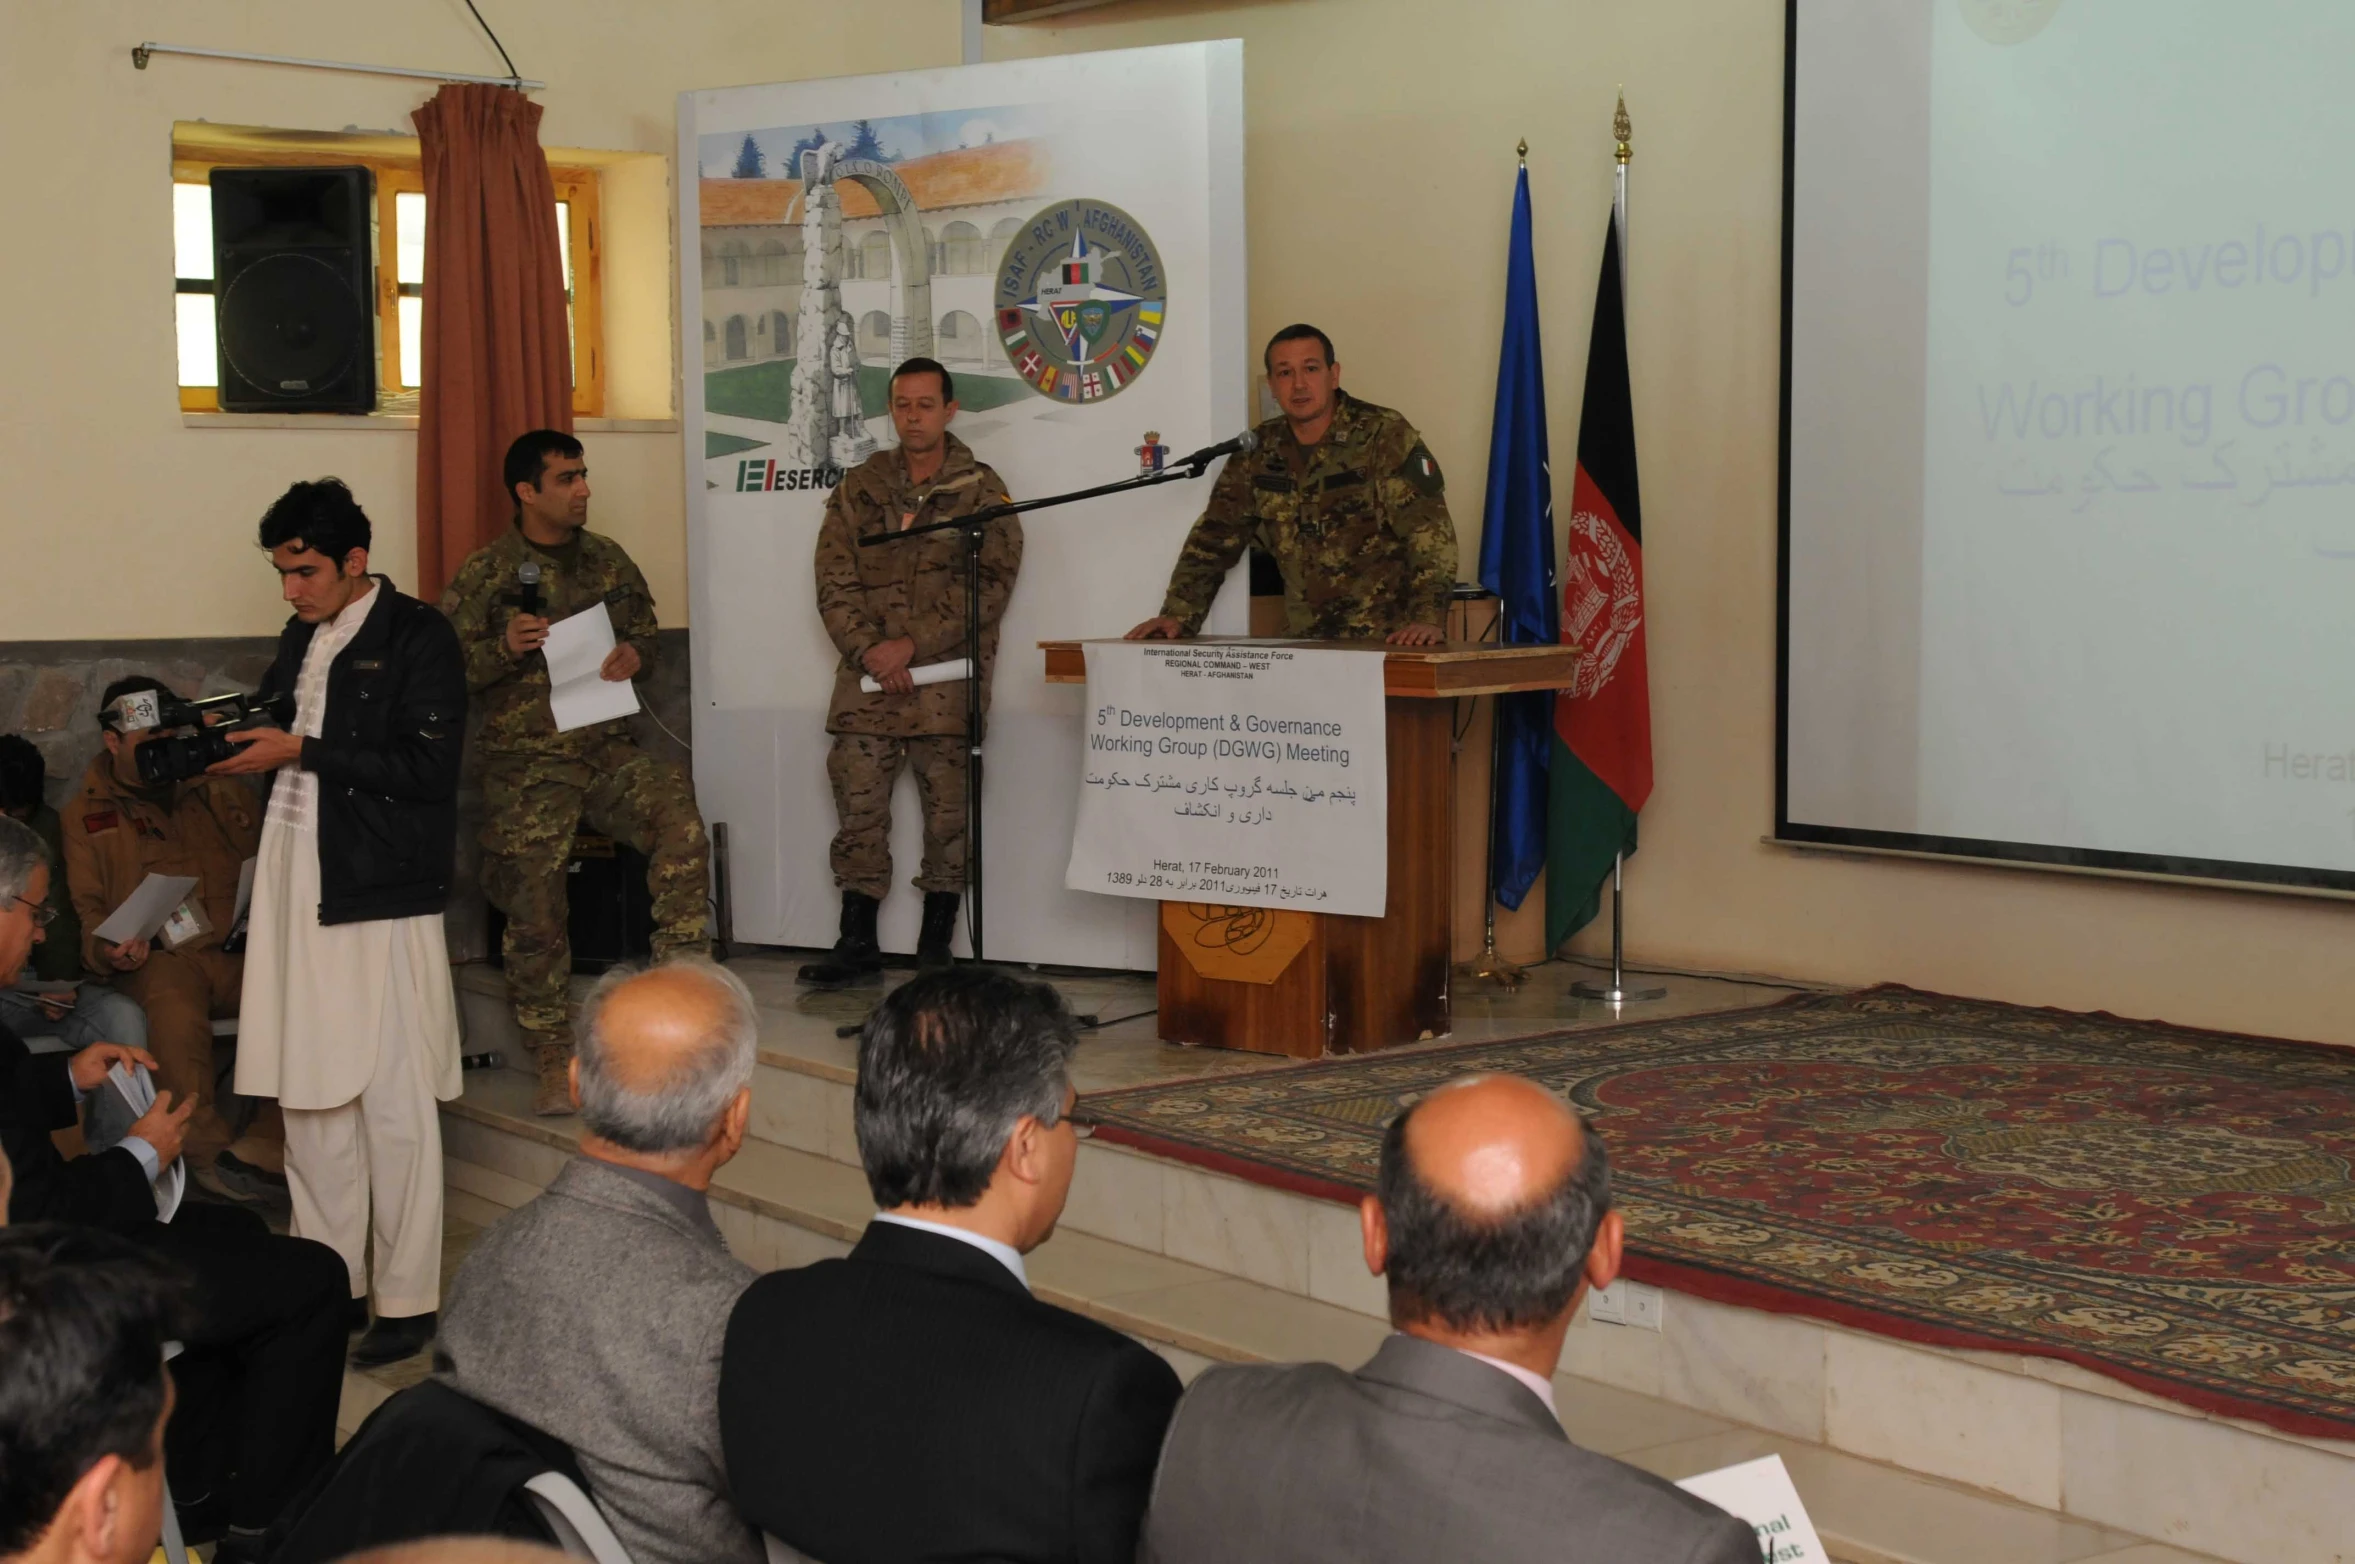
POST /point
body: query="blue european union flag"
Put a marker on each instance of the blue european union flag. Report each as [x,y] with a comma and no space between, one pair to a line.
[1517,564]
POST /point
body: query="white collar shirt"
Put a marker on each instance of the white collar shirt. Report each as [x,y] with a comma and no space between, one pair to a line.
[1005,1254]
[294,795]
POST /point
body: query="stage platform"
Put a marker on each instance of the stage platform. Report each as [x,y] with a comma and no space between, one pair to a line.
[1904,1450]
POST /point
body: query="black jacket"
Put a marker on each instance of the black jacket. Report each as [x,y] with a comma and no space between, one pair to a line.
[430,1462]
[386,758]
[913,1401]
[109,1189]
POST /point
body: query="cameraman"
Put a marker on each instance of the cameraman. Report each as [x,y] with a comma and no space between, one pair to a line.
[350,1020]
[93,1013]
[118,830]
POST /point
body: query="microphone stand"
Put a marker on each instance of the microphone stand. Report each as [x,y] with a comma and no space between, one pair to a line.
[972,527]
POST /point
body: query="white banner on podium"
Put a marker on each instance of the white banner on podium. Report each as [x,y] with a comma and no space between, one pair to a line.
[1244,773]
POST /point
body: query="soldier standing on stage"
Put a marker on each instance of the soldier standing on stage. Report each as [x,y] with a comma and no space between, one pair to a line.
[1346,498]
[892,610]
[539,784]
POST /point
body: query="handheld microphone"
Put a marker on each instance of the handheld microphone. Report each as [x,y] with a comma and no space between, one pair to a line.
[1241,445]
[527,590]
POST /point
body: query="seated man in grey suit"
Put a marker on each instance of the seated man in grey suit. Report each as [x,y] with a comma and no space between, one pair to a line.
[1492,1217]
[596,1312]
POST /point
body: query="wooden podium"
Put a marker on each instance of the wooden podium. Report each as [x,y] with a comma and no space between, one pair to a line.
[1310,984]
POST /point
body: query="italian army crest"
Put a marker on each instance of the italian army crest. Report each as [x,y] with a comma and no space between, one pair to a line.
[1080,299]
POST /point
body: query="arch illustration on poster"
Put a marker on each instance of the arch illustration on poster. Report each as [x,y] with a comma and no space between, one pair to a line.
[1066,234]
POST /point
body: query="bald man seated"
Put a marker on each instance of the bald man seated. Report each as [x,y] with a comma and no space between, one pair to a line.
[596,1312]
[1492,1216]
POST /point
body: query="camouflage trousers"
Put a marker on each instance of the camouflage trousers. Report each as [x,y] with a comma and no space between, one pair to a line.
[532,806]
[863,768]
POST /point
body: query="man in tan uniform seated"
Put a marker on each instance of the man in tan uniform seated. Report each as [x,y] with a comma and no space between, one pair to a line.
[892,610]
[117,831]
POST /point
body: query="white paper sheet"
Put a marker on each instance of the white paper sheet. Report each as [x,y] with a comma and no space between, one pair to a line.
[931,673]
[1760,1492]
[145,909]
[244,892]
[138,1093]
[576,648]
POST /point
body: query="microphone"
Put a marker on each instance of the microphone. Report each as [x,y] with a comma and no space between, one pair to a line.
[1241,445]
[527,589]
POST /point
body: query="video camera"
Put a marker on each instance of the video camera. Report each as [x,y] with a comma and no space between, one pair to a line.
[196,735]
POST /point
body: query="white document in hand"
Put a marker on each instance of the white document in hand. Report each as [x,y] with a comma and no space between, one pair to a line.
[577,694]
[138,1094]
[930,673]
[1760,1492]
[146,909]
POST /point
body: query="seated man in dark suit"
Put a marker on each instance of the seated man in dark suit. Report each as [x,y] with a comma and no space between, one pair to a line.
[82,1441]
[1493,1216]
[913,1401]
[263,1369]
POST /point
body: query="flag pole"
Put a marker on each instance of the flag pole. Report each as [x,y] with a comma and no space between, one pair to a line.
[1617,992]
[1492,967]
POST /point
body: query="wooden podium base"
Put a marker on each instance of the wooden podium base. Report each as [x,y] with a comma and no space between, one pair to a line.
[1354,984]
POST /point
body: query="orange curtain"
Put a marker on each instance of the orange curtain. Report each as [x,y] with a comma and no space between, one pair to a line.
[497,359]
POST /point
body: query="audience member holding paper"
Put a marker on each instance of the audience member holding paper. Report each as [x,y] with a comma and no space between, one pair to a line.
[263,1366]
[897,614]
[556,621]
[154,870]
[1492,1217]
[349,1016]
[56,997]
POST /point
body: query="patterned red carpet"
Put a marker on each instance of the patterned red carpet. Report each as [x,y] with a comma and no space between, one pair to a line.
[2170,1207]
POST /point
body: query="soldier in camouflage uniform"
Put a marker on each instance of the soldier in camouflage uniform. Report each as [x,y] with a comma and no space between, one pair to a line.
[539,784]
[1346,498]
[891,609]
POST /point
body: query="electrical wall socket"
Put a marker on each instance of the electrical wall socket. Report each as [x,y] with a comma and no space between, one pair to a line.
[1625,1303]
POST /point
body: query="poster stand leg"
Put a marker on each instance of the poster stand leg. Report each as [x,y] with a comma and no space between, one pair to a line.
[1616,992]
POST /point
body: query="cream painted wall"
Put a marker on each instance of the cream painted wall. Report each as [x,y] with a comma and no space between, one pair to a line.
[1379,158]
[119,521]
[1379,161]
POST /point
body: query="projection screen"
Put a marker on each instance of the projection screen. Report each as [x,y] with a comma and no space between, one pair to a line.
[2069,434]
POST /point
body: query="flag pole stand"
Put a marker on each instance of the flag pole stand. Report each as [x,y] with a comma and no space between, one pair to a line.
[1616,992]
[1491,967]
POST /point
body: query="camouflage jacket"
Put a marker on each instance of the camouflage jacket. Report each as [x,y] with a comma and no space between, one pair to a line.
[871,595]
[510,692]
[1357,522]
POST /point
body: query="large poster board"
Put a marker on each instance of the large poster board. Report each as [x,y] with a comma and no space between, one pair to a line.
[1066,235]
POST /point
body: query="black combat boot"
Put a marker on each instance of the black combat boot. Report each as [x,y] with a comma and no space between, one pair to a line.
[940,929]
[856,957]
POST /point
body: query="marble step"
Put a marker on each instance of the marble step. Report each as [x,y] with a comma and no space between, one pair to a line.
[780,1206]
[2046,1436]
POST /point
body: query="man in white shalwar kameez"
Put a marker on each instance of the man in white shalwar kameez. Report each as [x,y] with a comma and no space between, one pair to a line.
[348,1015]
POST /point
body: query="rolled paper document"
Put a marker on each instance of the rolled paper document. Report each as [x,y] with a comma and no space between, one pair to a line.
[930,673]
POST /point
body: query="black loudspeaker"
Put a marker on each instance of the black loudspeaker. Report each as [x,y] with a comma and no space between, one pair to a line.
[294,288]
[609,911]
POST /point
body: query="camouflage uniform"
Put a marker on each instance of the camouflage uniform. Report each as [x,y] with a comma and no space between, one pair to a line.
[539,784]
[1357,522]
[871,595]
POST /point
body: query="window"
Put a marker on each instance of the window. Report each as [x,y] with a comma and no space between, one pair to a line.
[960,337]
[780,334]
[960,244]
[874,336]
[875,255]
[739,343]
[400,274]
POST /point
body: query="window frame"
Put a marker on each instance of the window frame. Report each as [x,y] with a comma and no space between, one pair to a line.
[577,188]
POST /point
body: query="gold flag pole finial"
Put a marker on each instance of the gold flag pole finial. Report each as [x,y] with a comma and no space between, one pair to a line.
[1522,151]
[1621,131]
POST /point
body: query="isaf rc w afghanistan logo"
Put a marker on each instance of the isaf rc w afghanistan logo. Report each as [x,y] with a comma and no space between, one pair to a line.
[1602,602]
[1080,300]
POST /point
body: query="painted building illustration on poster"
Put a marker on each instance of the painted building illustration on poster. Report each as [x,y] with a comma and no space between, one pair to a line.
[879,241]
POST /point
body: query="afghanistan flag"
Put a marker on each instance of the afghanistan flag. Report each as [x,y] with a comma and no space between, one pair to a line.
[1602,769]
[1517,564]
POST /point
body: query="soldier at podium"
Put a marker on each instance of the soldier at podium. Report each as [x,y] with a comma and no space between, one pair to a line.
[1346,498]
